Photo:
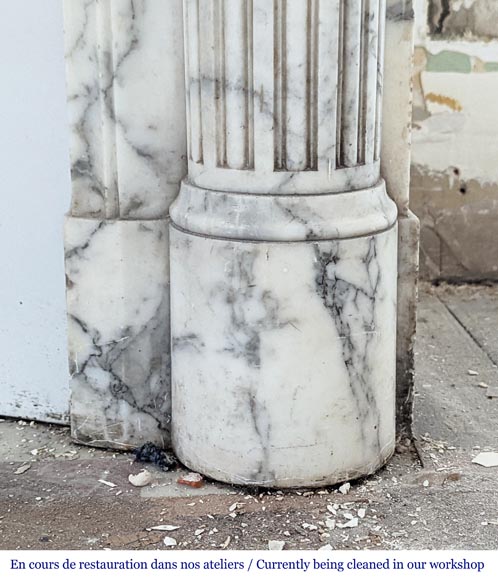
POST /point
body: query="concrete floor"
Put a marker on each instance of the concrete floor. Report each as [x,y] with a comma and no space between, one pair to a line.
[56,495]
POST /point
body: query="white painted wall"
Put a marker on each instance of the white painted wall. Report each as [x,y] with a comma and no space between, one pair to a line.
[34,196]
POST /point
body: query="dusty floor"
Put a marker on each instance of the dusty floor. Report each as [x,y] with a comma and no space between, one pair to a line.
[56,495]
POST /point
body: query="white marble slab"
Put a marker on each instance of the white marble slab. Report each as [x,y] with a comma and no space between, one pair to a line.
[125,81]
[126,95]
[118,317]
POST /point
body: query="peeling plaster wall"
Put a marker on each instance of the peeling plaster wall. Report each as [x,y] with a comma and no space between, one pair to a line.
[454,188]
[463,18]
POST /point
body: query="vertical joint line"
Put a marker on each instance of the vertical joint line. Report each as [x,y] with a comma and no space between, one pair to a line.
[280,89]
[311,136]
[316,60]
[186,33]
[363,81]
[380,79]
[340,86]
[284,83]
[198,32]
[220,83]
[107,105]
[309,82]
[249,86]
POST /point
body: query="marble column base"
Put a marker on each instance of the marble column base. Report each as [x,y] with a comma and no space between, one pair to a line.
[117,275]
[283,353]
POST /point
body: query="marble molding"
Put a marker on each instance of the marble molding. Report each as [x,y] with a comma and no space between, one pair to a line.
[118,301]
[395,167]
[125,83]
[408,271]
[126,106]
[284,246]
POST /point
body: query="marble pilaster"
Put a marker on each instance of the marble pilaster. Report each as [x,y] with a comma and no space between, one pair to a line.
[284,246]
[125,80]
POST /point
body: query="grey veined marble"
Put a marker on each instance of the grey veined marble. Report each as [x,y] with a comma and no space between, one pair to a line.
[118,326]
[283,356]
[283,246]
[125,74]
[125,80]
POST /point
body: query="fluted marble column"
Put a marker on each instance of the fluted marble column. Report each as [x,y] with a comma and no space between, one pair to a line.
[283,246]
[125,77]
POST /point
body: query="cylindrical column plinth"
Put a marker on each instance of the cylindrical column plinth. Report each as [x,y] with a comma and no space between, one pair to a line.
[283,256]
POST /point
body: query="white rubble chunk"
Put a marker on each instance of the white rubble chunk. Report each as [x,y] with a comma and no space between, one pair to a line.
[168,541]
[276,545]
[140,479]
[486,459]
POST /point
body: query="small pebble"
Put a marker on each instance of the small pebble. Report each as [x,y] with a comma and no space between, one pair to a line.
[276,545]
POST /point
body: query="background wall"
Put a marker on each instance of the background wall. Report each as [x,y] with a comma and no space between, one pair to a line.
[454,188]
[34,196]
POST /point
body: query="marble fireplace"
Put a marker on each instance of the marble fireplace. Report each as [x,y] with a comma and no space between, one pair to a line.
[241,260]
